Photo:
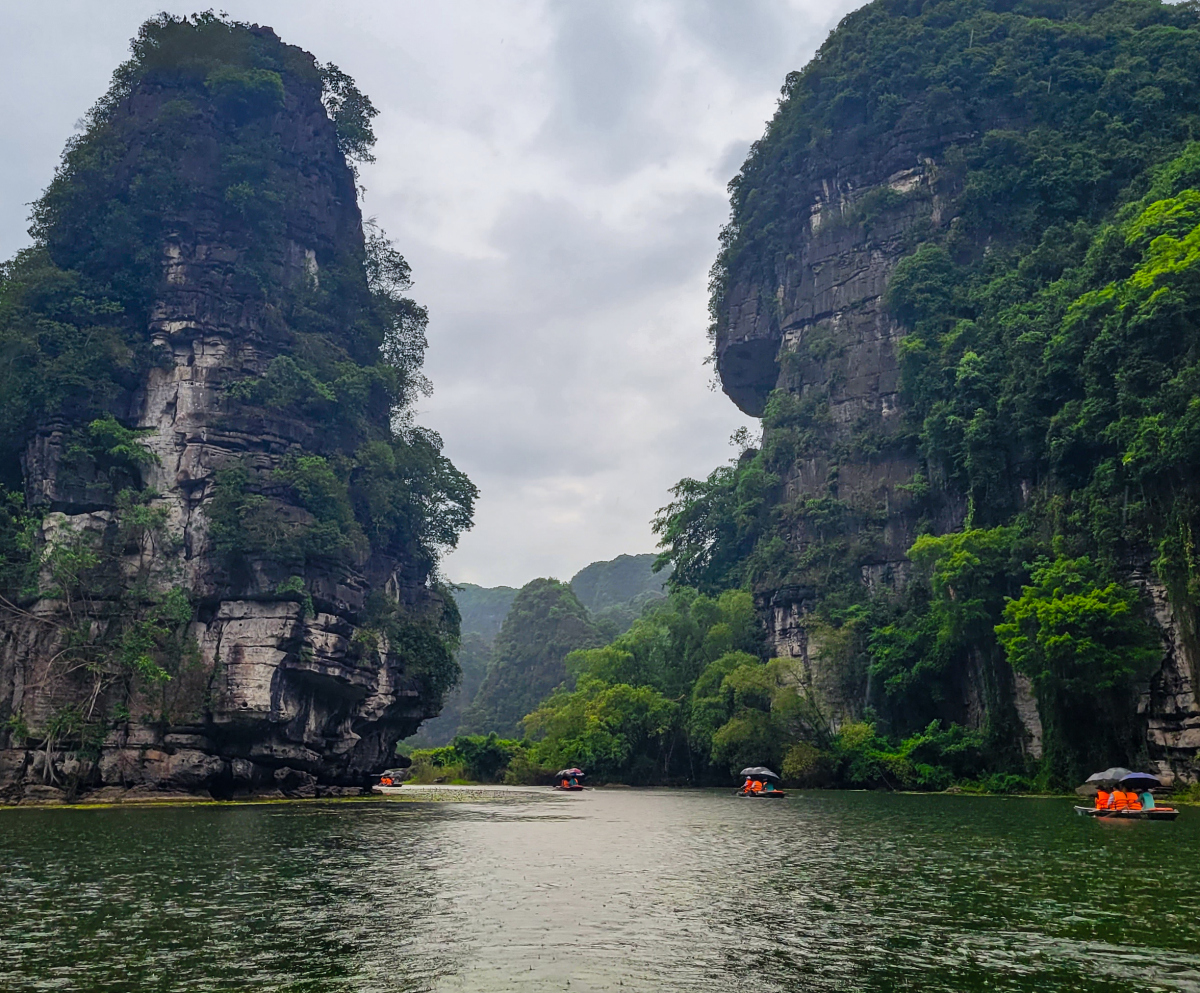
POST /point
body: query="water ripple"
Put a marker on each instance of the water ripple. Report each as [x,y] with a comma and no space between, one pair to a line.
[607,890]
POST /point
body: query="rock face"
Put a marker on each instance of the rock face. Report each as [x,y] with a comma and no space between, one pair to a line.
[821,332]
[277,690]
[1169,705]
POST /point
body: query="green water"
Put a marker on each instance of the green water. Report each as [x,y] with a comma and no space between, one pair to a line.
[605,890]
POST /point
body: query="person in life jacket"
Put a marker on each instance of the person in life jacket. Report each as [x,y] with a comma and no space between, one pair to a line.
[565,783]
[755,786]
[1125,801]
[747,784]
[386,781]
[1104,799]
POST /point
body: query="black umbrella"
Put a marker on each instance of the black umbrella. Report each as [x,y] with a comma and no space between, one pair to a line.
[569,772]
[1140,781]
[758,772]
[1109,777]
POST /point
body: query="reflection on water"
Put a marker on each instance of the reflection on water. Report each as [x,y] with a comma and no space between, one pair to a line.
[641,890]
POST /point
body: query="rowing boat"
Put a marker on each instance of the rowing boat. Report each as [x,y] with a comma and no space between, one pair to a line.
[1154,814]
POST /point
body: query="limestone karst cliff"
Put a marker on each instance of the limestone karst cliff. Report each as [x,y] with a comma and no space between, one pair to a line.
[222,529]
[917,294]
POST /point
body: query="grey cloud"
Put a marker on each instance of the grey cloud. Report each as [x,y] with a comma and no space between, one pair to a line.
[603,62]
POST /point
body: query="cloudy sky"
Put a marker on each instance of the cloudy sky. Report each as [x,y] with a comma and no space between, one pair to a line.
[554,171]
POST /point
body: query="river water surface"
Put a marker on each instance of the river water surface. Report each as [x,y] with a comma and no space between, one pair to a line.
[604,890]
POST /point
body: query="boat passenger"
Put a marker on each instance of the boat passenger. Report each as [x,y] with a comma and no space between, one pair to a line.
[1126,800]
[1104,799]
[747,784]
[565,783]
[756,786]
[1147,799]
[769,787]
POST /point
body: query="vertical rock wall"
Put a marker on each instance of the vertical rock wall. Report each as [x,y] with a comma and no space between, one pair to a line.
[278,692]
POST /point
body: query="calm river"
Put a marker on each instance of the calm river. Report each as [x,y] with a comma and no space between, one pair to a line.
[604,890]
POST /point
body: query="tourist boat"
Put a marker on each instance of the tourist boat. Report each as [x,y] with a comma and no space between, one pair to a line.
[1130,781]
[390,781]
[568,780]
[769,792]
[1153,814]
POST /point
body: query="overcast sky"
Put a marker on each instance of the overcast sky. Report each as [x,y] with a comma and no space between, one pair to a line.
[555,173]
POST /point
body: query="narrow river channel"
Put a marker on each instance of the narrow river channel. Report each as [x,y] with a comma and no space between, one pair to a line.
[605,890]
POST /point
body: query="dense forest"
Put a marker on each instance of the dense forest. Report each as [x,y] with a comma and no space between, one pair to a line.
[1024,175]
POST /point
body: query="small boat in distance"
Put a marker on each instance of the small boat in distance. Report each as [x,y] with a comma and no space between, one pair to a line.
[390,781]
[760,784]
[568,780]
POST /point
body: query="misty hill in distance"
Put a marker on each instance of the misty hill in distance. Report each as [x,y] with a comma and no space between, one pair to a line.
[483,609]
[616,592]
[500,675]
[545,624]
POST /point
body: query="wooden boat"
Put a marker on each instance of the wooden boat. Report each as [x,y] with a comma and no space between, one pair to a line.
[763,795]
[390,781]
[1154,814]
[568,780]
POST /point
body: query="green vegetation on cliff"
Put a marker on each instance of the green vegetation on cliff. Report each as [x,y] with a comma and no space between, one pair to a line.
[1049,371]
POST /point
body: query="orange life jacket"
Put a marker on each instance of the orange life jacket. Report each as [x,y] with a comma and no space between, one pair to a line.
[1102,798]
[1132,802]
[756,787]
[1125,801]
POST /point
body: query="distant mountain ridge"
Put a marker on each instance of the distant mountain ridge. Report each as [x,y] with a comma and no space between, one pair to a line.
[545,624]
[483,608]
[618,581]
